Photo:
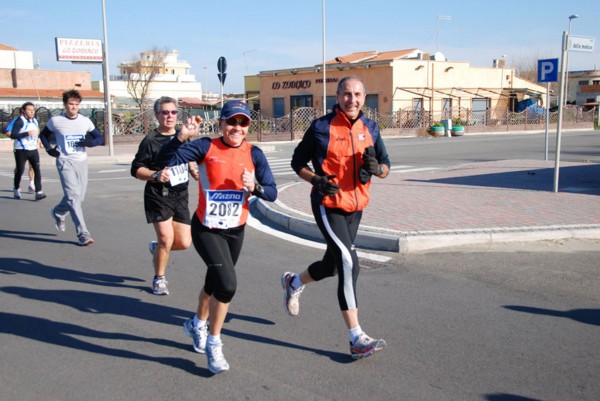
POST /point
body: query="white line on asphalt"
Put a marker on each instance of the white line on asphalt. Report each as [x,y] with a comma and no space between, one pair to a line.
[414,170]
[256,224]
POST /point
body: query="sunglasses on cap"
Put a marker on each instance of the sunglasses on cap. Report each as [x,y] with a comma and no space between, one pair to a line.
[167,112]
[237,120]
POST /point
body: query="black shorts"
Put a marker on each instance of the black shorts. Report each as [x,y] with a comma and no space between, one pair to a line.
[161,205]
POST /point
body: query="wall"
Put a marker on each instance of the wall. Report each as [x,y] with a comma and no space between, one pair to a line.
[45,79]
[397,83]
[309,82]
[8,59]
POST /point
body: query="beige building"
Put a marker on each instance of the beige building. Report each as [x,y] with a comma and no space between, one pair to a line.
[397,80]
[172,78]
[584,87]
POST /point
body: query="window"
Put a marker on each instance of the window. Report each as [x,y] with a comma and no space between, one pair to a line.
[446,109]
[479,110]
[330,101]
[301,101]
[372,102]
[278,107]
[417,117]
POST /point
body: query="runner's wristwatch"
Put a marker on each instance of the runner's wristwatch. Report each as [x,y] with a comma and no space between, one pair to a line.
[258,189]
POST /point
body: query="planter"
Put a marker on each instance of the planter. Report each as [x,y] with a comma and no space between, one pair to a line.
[437,131]
[458,130]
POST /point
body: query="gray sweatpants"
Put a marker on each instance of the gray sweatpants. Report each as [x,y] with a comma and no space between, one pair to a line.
[73,178]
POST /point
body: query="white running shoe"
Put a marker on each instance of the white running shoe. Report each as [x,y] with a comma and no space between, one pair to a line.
[216,359]
[365,346]
[159,286]
[199,335]
[291,297]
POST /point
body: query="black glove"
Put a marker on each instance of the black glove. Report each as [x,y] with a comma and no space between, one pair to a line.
[324,186]
[84,143]
[370,165]
[53,152]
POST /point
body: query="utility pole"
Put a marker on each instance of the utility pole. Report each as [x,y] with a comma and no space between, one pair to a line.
[107,104]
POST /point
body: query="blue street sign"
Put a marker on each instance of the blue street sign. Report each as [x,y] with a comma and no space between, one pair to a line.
[548,70]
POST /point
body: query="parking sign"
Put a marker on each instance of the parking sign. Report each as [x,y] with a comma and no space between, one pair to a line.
[548,70]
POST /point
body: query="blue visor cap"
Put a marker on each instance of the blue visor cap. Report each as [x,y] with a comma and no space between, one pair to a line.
[235,108]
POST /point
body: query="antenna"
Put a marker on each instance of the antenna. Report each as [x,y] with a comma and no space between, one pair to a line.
[245,62]
[437,29]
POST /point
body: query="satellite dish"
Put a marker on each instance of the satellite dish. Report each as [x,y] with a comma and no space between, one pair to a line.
[438,56]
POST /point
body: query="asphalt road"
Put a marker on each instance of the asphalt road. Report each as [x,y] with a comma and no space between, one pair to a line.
[81,324]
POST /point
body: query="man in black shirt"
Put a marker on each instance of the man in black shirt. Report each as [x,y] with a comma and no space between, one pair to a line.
[165,205]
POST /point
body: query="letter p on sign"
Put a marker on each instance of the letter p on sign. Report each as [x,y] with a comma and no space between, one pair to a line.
[548,70]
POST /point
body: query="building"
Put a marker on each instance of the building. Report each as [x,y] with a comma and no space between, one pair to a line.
[397,80]
[171,78]
[584,87]
[22,81]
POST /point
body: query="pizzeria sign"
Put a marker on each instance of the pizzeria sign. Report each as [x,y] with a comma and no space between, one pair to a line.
[79,50]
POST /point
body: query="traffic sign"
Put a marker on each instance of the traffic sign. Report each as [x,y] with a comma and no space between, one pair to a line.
[222,64]
[222,67]
[548,70]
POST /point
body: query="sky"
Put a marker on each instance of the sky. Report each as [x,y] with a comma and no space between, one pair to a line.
[268,35]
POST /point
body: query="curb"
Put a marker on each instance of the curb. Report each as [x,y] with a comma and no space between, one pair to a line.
[415,241]
[308,229]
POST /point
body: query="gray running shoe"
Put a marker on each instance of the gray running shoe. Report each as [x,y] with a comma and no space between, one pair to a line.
[199,335]
[17,193]
[365,346]
[59,222]
[85,240]
[216,359]
[31,188]
[159,286]
[152,245]
[40,195]
[291,297]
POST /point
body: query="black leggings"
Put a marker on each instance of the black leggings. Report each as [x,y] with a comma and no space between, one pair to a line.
[33,157]
[339,229]
[220,250]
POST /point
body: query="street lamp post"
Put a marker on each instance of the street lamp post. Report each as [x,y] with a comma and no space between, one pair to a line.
[106,78]
[324,66]
[205,82]
[571,18]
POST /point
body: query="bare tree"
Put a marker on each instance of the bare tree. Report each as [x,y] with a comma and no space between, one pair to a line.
[527,68]
[141,71]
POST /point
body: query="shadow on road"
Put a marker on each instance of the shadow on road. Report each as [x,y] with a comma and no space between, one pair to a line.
[587,316]
[33,236]
[33,268]
[578,179]
[64,335]
[508,397]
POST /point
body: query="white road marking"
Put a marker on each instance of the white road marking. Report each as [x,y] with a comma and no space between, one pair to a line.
[256,224]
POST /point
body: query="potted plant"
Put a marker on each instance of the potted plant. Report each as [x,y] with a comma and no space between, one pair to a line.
[458,129]
[437,129]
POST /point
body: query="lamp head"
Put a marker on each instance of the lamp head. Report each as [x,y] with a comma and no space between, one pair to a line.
[573,16]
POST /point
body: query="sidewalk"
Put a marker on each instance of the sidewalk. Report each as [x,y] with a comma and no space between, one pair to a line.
[473,204]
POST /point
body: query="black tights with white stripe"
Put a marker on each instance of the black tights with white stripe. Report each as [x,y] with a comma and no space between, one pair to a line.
[339,229]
